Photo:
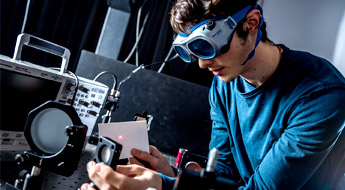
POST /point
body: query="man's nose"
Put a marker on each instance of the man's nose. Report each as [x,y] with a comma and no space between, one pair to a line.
[203,63]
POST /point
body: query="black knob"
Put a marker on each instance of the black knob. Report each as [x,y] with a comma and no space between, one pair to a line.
[70,86]
[210,24]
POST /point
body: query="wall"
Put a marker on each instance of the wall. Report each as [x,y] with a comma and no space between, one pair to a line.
[310,25]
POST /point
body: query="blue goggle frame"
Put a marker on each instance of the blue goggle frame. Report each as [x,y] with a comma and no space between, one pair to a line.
[210,37]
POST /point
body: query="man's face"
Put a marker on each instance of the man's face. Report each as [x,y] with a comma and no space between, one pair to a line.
[228,66]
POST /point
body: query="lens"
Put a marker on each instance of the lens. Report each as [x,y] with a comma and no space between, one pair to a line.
[183,54]
[193,166]
[105,154]
[47,130]
[202,49]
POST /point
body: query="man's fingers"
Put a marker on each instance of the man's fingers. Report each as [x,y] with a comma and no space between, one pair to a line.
[135,161]
[103,176]
[155,152]
[86,186]
[129,170]
[142,155]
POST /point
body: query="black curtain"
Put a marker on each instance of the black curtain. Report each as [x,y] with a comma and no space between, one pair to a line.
[74,24]
[77,24]
[156,42]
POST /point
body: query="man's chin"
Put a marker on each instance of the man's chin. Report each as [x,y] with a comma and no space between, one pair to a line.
[226,78]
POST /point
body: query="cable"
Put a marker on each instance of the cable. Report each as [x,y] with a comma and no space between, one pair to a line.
[76,86]
[160,62]
[137,35]
[130,75]
[166,58]
[140,34]
[25,15]
[108,72]
[142,66]
[76,83]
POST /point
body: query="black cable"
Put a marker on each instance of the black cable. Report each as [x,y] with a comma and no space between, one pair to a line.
[76,83]
[76,86]
[160,62]
[142,66]
[166,58]
[108,72]
[130,75]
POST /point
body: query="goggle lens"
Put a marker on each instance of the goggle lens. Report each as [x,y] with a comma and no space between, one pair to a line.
[183,54]
[202,49]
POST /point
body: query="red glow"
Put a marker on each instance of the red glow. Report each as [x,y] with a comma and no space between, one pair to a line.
[120,137]
[196,170]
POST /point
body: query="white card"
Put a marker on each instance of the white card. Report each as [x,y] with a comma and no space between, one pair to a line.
[132,134]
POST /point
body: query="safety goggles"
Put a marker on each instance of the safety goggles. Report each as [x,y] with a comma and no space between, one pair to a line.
[208,38]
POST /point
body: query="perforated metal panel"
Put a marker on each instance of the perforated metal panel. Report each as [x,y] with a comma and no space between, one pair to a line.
[51,181]
[10,171]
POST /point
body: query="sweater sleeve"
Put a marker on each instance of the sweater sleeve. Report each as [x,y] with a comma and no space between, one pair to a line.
[167,182]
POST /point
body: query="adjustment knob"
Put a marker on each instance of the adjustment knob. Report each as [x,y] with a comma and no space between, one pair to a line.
[210,24]
[70,87]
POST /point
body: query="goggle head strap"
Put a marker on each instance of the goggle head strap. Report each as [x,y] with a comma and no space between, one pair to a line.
[259,35]
[232,22]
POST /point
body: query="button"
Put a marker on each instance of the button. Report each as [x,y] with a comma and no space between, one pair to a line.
[91,112]
[83,89]
[95,104]
[84,103]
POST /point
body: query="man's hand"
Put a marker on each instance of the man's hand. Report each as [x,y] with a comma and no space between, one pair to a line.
[153,160]
[129,177]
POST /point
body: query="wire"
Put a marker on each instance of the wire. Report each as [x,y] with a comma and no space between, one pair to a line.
[142,66]
[25,15]
[108,72]
[130,75]
[137,35]
[76,83]
[76,86]
[160,62]
[140,33]
[166,58]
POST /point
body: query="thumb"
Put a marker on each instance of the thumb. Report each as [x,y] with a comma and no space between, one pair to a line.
[155,152]
[141,155]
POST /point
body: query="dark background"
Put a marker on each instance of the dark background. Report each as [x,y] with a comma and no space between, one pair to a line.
[77,24]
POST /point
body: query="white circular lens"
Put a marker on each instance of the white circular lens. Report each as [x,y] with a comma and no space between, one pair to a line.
[105,154]
[48,130]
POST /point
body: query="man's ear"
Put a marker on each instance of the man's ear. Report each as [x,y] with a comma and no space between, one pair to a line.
[252,21]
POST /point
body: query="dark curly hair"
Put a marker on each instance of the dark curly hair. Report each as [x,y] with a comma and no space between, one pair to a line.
[186,13]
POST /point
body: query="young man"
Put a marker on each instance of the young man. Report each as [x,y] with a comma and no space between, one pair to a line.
[278,114]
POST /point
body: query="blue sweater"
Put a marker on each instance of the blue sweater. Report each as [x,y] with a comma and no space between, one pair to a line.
[286,134]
